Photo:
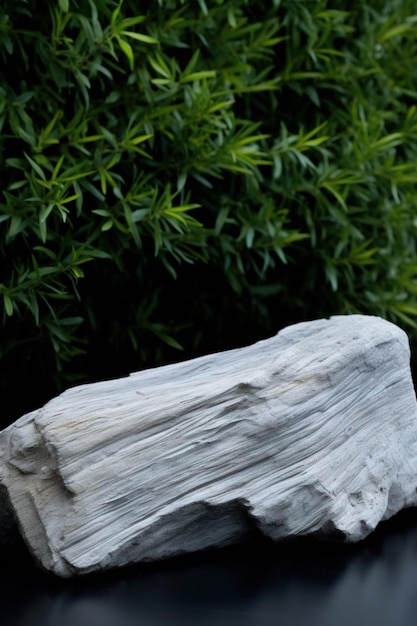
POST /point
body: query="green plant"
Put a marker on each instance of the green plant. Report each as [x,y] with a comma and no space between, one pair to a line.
[188,175]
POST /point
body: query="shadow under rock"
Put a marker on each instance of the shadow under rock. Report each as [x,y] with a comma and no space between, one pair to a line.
[298,583]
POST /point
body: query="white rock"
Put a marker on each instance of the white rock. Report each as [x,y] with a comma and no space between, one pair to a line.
[311,432]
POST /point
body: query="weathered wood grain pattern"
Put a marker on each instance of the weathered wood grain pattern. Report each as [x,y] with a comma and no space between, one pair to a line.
[311,432]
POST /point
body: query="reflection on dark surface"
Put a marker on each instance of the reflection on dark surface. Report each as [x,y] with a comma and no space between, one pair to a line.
[374,582]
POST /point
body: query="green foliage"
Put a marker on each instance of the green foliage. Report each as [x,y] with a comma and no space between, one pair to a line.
[188,175]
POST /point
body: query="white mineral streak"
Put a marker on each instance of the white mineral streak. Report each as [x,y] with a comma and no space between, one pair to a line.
[311,432]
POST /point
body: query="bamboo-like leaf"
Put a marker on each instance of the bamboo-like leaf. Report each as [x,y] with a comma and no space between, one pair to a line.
[192,63]
[140,139]
[126,48]
[36,167]
[15,224]
[139,37]
[57,167]
[91,138]
[198,76]
[132,21]
[107,225]
[116,13]
[334,192]
[160,66]
[396,31]
[68,199]
[8,304]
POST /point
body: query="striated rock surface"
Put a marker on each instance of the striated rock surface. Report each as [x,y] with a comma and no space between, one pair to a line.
[311,432]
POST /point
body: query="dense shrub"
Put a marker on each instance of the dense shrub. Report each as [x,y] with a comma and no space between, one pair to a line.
[196,175]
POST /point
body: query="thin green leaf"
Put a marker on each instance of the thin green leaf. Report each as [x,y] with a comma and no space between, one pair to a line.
[8,304]
[126,48]
[139,37]
[36,167]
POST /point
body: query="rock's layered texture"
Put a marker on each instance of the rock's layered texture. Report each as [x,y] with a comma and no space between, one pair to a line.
[313,431]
